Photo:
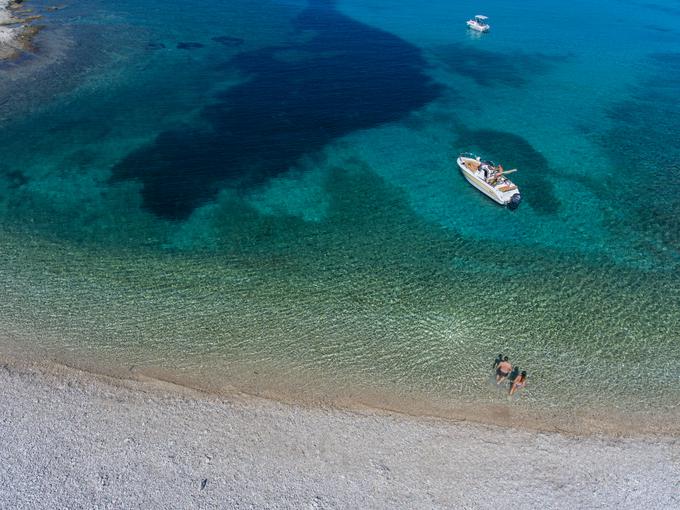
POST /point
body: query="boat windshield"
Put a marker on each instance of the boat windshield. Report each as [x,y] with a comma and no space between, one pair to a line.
[481,19]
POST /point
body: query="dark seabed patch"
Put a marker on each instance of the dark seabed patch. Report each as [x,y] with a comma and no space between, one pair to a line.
[513,151]
[644,146]
[14,178]
[657,28]
[353,77]
[20,57]
[492,68]
[228,40]
[189,45]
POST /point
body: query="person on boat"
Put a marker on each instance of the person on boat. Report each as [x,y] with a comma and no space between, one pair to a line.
[496,175]
[519,383]
[497,361]
[504,368]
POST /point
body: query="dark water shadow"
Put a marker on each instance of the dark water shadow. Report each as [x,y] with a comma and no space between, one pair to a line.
[227,40]
[658,28]
[491,68]
[644,147]
[347,76]
[513,151]
[189,45]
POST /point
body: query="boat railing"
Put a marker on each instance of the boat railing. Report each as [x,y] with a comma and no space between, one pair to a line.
[468,155]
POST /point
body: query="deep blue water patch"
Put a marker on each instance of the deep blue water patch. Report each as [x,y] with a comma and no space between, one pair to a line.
[493,68]
[513,151]
[346,76]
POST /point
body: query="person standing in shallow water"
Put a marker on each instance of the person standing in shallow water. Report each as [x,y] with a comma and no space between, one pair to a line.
[504,368]
[519,383]
[497,361]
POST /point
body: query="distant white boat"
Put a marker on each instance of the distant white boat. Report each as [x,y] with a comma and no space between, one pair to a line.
[478,23]
[490,179]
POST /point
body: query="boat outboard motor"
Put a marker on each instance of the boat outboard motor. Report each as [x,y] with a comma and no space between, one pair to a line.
[514,201]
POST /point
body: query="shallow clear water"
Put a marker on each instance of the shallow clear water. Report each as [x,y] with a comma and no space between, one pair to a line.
[262,196]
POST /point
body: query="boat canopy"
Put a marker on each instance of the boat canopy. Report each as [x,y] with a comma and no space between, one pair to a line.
[481,17]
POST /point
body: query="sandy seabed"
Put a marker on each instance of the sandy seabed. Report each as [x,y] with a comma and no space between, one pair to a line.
[70,439]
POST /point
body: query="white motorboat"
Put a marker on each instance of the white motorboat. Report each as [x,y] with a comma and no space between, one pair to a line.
[478,23]
[490,179]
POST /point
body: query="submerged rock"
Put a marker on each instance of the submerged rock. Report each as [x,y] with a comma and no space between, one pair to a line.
[228,40]
[189,45]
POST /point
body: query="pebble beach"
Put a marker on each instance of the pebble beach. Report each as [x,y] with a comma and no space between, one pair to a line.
[71,439]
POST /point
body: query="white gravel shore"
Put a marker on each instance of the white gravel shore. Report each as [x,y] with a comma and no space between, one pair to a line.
[72,440]
[6,33]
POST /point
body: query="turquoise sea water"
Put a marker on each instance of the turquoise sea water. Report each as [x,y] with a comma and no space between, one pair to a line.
[262,195]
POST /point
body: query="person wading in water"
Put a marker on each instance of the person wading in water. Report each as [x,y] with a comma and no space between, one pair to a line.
[519,383]
[504,368]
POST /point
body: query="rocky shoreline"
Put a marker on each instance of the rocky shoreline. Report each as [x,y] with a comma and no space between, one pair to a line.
[17,28]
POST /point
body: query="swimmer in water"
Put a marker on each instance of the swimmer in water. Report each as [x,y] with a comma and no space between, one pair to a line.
[504,368]
[497,361]
[519,383]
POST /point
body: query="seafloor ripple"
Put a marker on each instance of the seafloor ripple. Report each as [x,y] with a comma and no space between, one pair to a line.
[363,303]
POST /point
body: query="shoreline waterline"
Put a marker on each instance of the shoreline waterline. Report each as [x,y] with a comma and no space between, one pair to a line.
[516,415]
[357,270]
[212,325]
[157,445]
